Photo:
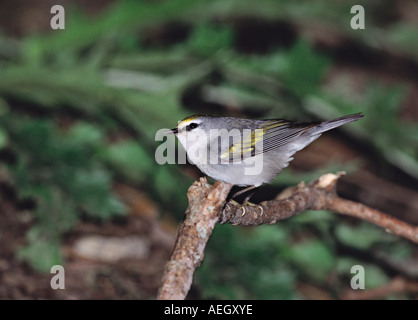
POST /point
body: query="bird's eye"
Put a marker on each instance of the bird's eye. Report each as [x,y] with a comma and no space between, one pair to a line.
[192,126]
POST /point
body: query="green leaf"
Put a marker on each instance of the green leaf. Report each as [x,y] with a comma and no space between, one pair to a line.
[206,40]
[374,277]
[3,138]
[305,69]
[313,258]
[91,190]
[83,133]
[42,253]
[362,236]
[130,159]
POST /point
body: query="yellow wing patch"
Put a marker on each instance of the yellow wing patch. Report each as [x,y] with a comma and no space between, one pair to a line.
[273,124]
[247,147]
[238,150]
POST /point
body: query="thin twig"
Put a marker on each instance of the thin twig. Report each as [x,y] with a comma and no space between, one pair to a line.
[318,195]
[358,210]
[397,285]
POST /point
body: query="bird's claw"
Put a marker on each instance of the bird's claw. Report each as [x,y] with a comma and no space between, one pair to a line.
[245,205]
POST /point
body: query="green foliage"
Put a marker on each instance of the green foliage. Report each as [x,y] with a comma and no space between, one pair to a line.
[266,262]
[364,236]
[60,171]
[68,172]
[402,36]
[395,139]
[206,40]
[313,258]
[65,160]
[41,252]
[131,159]
[303,62]
[249,265]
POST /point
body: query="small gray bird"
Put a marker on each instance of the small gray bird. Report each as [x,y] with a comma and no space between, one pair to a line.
[247,152]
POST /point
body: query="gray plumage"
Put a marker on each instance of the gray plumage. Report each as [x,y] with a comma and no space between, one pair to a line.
[248,152]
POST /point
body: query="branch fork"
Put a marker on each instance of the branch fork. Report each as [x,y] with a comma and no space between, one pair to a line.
[207,207]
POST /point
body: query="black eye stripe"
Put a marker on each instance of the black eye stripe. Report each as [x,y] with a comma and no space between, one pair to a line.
[192,126]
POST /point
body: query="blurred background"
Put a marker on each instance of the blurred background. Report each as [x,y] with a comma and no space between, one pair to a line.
[79,109]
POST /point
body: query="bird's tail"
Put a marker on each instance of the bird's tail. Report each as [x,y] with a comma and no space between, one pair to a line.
[331,124]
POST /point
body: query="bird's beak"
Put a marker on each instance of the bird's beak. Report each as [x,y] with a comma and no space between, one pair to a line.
[172,131]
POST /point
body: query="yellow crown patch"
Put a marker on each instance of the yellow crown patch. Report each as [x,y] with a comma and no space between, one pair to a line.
[187,120]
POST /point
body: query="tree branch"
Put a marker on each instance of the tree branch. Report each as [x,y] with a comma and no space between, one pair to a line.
[204,211]
[320,194]
[205,204]
[397,285]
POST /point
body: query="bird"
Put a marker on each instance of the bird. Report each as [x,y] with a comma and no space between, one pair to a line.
[247,152]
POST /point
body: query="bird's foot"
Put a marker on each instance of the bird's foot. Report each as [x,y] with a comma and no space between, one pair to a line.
[245,205]
[258,206]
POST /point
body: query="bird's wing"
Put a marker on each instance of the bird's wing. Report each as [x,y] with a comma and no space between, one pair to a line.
[270,135]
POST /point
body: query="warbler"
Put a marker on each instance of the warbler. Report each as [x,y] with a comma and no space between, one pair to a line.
[246,152]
